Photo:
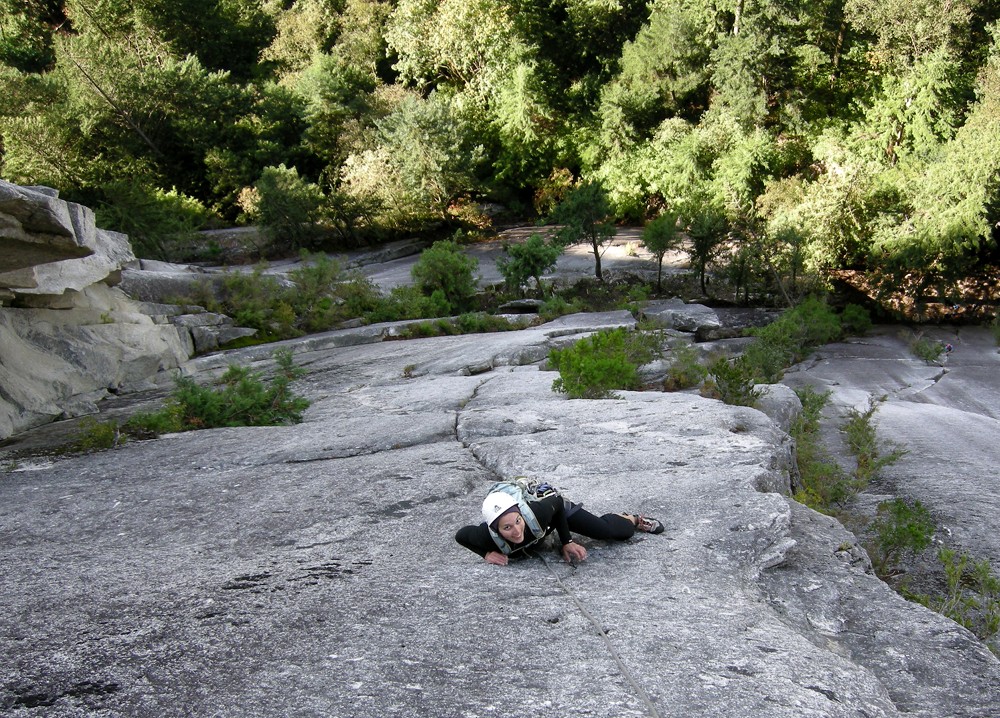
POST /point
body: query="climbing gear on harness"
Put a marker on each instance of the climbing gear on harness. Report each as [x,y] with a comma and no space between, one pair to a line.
[534,489]
[648,525]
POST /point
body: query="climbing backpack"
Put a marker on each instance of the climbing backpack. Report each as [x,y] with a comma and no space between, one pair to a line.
[534,489]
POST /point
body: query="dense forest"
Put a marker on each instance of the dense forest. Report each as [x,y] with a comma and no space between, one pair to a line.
[831,135]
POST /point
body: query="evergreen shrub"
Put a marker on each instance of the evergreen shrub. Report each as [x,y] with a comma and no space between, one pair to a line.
[900,527]
[445,268]
[732,381]
[240,398]
[593,368]
[686,369]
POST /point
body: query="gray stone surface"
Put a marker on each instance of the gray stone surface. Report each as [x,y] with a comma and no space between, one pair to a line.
[946,415]
[677,314]
[61,362]
[36,228]
[311,570]
[167,283]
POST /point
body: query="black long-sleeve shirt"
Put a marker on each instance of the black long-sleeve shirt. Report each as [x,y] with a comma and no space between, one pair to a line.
[551,515]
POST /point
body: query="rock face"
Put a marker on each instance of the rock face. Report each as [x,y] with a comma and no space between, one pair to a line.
[312,570]
[946,415]
[677,314]
[36,228]
[68,336]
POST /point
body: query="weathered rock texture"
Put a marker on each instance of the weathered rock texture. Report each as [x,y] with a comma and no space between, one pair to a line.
[311,570]
[946,415]
[68,336]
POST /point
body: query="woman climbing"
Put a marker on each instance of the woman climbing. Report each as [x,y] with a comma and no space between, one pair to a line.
[515,521]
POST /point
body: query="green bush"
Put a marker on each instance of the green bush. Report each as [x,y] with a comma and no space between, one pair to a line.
[159,223]
[972,596]
[872,454]
[767,360]
[289,207]
[823,485]
[855,320]
[593,368]
[445,268]
[469,323]
[788,339]
[528,260]
[686,369]
[557,306]
[148,425]
[899,528]
[94,435]
[240,398]
[732,381]
[481,322]
[408,302]
[923,348]
[317,296]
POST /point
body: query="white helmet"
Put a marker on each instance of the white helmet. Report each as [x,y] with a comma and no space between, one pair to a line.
[497,504]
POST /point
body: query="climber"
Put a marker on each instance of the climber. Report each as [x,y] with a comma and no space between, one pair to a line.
[514,522]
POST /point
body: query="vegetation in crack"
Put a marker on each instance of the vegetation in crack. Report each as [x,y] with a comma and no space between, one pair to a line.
[240,397]
[597,366]
[958,586]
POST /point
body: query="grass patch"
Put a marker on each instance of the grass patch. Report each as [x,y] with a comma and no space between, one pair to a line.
[469,323]
[971,596]
[823,484]
[732,381]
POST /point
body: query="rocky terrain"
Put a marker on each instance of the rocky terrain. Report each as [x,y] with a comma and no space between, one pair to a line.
[311,569]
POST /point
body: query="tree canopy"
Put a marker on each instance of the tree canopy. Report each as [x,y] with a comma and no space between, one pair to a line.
[866,129]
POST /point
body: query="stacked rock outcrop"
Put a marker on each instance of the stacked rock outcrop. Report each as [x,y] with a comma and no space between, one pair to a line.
[68,335]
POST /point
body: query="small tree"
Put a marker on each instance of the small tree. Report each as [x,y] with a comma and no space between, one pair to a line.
[706,229]
[900,527]
[444,268]
[289,206]
[586,217]
[528,260]
[659,237]
[608,360]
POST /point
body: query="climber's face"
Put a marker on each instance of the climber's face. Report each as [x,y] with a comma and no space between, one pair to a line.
[511,527]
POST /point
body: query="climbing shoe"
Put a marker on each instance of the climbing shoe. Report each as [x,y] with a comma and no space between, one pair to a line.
[648,525]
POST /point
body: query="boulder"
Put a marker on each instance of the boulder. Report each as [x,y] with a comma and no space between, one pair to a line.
[36,227]
[51,246]
[677,314]
[57,363]
[165,283]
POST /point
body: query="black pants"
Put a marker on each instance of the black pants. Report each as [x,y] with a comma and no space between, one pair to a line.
[609,527]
